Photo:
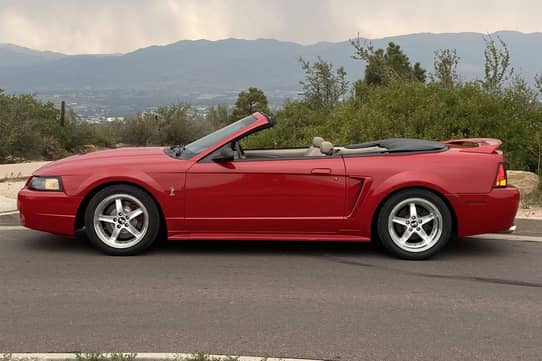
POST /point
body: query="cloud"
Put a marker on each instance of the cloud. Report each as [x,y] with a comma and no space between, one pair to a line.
[104,26]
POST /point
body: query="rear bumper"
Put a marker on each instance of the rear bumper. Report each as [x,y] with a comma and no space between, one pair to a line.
[493,212]
[509,230]
[52,212]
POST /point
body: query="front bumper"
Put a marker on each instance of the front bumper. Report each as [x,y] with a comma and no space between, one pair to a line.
[52,212]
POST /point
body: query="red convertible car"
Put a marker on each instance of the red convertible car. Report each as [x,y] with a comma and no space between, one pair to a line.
[413,196]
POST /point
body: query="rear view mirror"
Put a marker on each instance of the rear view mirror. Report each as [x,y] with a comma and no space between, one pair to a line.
[225,155]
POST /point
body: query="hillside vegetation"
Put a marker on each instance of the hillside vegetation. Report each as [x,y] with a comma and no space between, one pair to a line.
[395,98]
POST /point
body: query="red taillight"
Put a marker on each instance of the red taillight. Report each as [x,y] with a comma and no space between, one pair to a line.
[501,180]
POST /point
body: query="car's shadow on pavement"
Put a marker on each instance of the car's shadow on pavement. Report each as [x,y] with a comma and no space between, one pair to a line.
[468,247]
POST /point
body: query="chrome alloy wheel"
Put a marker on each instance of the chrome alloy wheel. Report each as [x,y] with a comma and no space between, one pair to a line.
[121,221]
[415,224]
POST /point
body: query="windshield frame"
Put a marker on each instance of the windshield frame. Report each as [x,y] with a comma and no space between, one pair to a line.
[205,145]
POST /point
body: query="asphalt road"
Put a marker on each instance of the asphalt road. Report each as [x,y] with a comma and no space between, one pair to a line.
[480,299]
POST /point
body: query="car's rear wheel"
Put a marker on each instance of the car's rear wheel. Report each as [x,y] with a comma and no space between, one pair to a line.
[414,224]
[122,220]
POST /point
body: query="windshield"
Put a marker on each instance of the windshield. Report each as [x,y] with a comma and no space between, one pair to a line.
[201,144]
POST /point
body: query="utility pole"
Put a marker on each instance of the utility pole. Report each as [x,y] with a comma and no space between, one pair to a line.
[62,113]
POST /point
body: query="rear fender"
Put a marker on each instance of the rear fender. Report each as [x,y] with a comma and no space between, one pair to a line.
[403,180]
[409,179]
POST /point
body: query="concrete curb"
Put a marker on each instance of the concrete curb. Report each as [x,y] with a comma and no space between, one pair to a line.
[7,204]
[9,218]
[507,237]
[530,218]
[144,356]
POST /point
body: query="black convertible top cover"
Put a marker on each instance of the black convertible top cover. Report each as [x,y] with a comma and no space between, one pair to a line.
[394,145]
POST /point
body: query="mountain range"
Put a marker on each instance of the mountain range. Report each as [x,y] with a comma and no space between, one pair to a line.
[205,72]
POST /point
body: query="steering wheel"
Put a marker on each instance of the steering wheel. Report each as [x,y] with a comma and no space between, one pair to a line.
[239,150]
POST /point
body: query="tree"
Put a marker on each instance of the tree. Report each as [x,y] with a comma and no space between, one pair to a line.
[446,62]
[248,102]
[538,85]
[538,82]
[323,87]
[386,66]
[497,66]
[217,116]
[172,124]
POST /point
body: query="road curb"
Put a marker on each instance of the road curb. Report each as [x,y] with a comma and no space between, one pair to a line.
[9,218]
[507,237]
[145,356]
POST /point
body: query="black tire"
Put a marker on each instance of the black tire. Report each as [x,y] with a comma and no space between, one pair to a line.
[416,247]
[148,233]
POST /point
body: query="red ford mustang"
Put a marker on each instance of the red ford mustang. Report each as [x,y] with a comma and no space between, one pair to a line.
[413,196]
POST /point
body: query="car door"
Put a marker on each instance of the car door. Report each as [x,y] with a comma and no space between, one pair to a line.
[289,196]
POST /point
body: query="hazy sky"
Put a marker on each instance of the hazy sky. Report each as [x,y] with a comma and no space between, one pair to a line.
[103,26]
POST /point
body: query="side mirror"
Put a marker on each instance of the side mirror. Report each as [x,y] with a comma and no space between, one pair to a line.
[226,155]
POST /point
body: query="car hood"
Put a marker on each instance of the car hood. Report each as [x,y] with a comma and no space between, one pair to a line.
[79,163]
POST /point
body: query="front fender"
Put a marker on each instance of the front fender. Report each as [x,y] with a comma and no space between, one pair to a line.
[171,205]
[126,175]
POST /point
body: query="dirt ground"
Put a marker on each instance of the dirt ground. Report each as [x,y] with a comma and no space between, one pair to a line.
[19,170]
[10,189]
[530,213]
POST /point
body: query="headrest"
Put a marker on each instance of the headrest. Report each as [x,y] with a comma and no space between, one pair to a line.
[316,141]
[326,148]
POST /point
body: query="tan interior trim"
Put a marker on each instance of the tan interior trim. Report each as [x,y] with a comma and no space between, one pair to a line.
[341,150]
[290,152]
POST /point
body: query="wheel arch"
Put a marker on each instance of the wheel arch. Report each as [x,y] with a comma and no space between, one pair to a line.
[80,215]
[374,220]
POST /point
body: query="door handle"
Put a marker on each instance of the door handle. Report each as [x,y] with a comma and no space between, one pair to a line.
[321,171]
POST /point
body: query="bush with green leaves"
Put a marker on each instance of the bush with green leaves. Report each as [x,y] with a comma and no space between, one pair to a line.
[30,129]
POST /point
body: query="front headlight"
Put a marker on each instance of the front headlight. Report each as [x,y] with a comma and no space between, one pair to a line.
[53,184]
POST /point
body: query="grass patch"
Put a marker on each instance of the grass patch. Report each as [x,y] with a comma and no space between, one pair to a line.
[98,356]
[94,356]
[200,356]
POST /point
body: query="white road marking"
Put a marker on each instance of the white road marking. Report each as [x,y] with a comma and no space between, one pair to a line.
[142,356]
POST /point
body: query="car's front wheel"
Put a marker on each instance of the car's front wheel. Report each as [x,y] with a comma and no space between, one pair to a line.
[122,220]
[414,224]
